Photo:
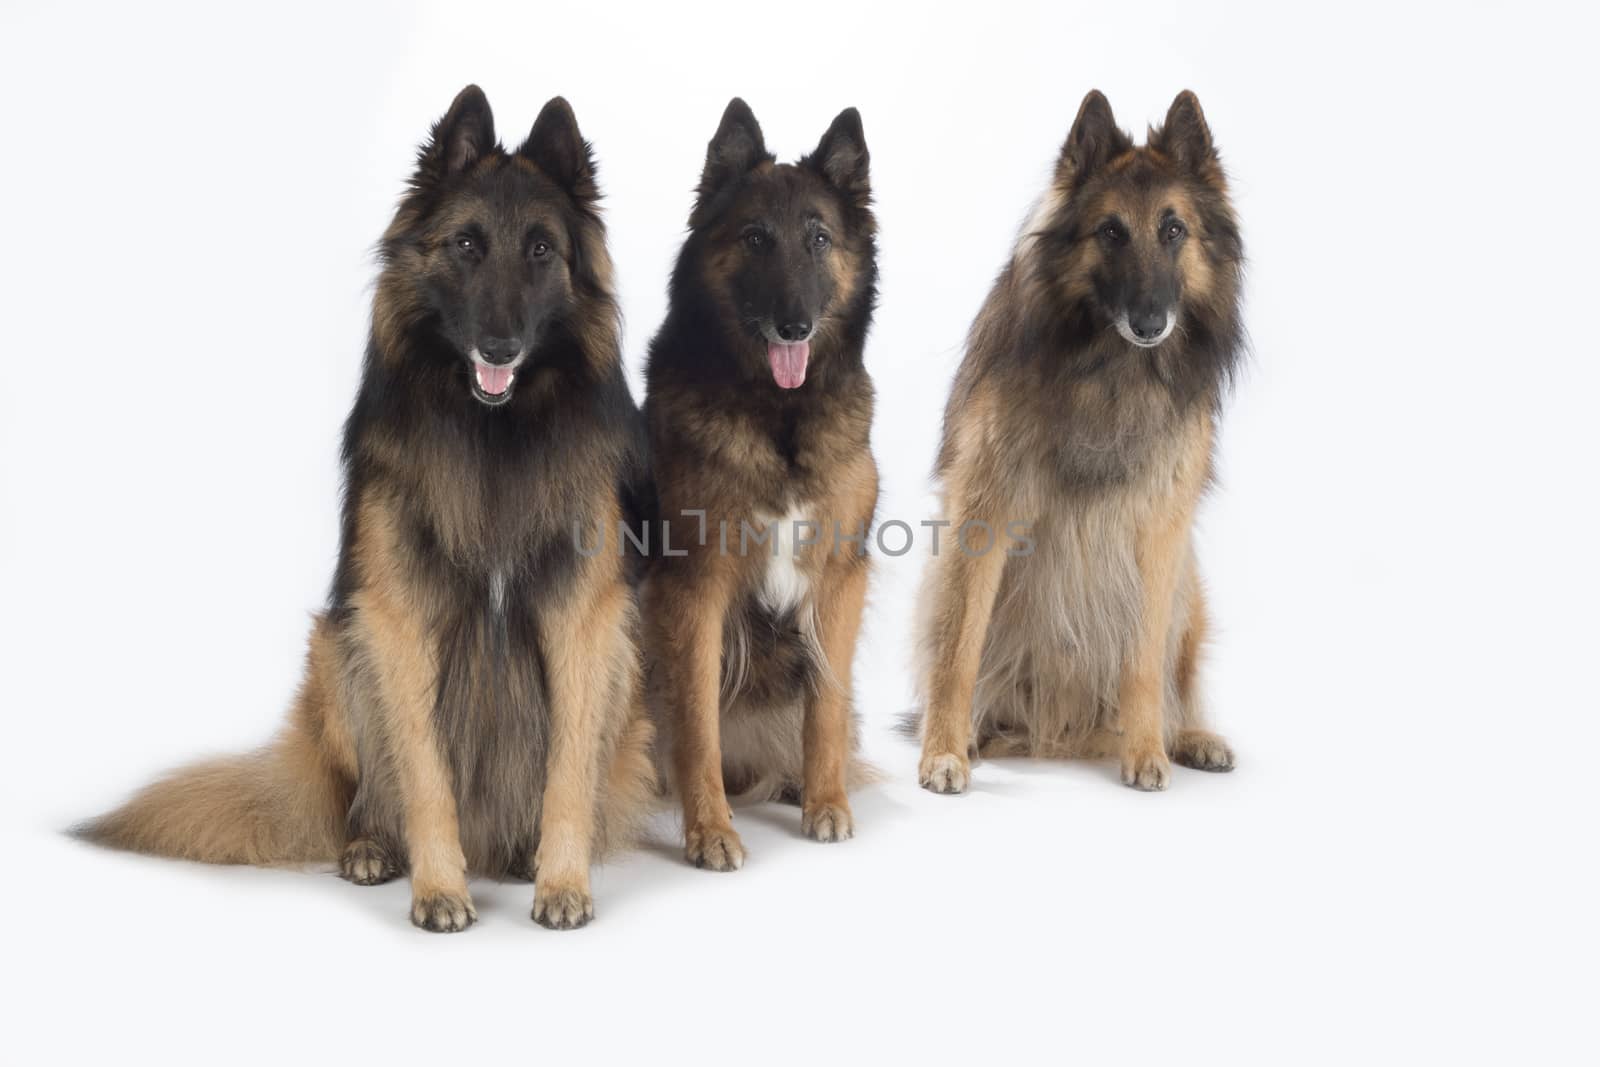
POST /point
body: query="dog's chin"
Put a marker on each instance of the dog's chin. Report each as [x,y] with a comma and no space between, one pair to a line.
[1126,333]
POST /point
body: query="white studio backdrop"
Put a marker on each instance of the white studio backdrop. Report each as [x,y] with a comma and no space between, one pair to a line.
[1400,549]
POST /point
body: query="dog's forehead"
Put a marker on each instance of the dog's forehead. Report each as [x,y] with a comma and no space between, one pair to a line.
[1139,187]
[785,192]
[504,196]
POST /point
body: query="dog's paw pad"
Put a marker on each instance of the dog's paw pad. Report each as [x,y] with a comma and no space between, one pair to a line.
[1203,751]
[1149,773]
[828,822]
[944,773]
[365,862]
[443,913]
[562,909]
[715,849]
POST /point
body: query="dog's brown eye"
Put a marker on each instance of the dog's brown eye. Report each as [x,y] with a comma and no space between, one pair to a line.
[1111,233]
[466,244]
[821,240]
[539,250]
[755,239]
[1175,230]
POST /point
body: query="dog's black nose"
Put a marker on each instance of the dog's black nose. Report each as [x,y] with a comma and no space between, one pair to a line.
[1147,325]
[794,331]
[500,350]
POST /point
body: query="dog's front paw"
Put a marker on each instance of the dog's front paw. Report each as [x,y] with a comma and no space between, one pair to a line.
[443,913]
[365,862]
[944,772]
[715,848]
[562,908]
[1146,771]
[827,822]
[1202,750]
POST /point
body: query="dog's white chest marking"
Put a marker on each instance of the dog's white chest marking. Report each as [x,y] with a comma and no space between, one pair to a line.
[785,585]
[497,592]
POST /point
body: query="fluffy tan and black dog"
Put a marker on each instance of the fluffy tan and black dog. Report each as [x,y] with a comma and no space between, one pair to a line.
[470,701]
[759,409]
[1085,406]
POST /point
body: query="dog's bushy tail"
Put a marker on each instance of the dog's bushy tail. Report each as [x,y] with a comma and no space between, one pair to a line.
[283,804]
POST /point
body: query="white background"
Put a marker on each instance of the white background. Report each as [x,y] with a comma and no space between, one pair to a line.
[1401,550]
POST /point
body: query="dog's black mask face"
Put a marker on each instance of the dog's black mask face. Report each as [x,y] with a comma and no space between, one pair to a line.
[1136,277]
[781,253]
[1142,239]
[496,248]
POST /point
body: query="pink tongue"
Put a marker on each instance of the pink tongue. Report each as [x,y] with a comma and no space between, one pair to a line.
[788,363]
[494,380]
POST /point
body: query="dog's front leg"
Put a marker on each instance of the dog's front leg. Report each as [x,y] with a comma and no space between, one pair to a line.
[966,578]
[1161,541]
[687,609]
[825,808]
[583,639]
[406,668]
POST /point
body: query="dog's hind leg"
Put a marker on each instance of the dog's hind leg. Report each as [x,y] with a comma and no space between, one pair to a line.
[367,859]
[366,862]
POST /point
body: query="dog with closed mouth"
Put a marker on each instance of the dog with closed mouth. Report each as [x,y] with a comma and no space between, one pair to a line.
[1086,403]
[759,410]
[471,699]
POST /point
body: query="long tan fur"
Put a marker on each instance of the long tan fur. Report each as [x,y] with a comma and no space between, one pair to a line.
[1080,632]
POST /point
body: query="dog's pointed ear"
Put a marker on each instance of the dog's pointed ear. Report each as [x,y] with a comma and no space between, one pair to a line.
[841,156]
[1184,135]
[464,136]
[1095,138]
[736,148]
[555,146]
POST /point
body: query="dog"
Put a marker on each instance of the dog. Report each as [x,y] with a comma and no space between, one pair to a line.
[759,410]
[1086,403]
[471,700]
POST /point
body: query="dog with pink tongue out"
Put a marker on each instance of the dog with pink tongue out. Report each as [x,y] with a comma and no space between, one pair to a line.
[759,409]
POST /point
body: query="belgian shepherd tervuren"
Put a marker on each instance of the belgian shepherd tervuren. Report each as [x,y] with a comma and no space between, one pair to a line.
[759,409]
[470,701]
[1085,405]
